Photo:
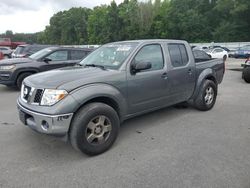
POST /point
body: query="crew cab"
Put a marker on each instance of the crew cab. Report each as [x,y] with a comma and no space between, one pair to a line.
[87,103]
[13,71]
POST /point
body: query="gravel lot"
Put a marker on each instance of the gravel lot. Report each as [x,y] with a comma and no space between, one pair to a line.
[168,148]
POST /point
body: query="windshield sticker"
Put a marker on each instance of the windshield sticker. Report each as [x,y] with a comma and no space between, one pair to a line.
[123,48]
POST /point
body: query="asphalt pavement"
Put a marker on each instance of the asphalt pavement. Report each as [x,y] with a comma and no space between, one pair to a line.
[175,148]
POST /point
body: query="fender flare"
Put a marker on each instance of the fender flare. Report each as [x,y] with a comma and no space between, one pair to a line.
[90,92]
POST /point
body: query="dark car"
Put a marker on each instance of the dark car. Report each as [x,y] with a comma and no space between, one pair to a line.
[27,49]
[242,52]
[13,71]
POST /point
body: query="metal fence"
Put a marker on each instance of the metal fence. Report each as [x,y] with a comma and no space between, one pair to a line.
[229,45]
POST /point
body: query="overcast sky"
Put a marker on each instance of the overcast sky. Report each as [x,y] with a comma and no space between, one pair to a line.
[30,16]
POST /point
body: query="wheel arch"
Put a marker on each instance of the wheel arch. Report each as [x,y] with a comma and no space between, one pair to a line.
[102,93]
[207,74]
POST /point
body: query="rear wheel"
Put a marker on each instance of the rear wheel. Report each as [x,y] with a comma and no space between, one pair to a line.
[246,74]
[206,97]
[20,79]
[94,128]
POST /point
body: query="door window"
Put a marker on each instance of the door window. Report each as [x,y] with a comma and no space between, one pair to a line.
[59,56]
[152,54]
[218,50]
[178,55]
[78,54]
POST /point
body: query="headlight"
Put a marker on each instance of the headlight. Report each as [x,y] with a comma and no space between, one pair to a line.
[52,96]
[7,67]
[248,63]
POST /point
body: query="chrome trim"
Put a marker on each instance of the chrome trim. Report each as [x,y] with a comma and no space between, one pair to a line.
[40,114]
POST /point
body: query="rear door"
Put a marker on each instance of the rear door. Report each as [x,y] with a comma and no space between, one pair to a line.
[75,56]
[182,73]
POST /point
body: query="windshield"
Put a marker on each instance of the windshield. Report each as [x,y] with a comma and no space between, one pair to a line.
[19,50]
[40,54]
[110,56]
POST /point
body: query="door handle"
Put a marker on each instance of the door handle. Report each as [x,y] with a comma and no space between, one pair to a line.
[164,75]
[190,71]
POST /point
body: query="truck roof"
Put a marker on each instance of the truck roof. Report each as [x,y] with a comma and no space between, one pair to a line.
[152,40]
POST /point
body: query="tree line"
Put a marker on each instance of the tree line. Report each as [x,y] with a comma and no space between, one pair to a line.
[191,20]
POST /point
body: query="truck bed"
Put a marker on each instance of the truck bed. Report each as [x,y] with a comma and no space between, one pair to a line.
[217,66]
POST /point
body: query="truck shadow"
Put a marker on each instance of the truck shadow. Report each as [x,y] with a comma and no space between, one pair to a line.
[51,148]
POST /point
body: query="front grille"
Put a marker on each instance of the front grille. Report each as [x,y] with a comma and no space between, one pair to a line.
[31,95]
[38,96]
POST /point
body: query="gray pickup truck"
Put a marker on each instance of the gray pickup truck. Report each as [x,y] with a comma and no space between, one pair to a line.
[87,103]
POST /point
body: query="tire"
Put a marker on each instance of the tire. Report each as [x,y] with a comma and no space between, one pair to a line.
[206,97]
[87,132]
[246,74]
[20,79]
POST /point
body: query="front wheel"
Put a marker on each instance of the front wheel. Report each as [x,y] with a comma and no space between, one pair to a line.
[206,97]
[94,128]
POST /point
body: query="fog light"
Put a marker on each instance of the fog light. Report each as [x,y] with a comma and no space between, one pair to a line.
[45,125]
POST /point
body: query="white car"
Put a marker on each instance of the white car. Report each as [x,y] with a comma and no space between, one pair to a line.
[218,53]
[6,51]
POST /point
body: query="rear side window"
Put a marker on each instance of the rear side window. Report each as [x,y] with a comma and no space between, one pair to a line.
[198,54]
[178,55]
[78,54]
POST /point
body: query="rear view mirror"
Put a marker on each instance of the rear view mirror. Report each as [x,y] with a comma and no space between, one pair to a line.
[140,67]
[47,60]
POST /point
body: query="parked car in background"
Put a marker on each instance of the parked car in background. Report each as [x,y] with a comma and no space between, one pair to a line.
[6,52]
[6,42]
[231,53]
[217,53]
[13,71]
[242,52]
[224,48]
[116,82]
[246,70]
[27,50]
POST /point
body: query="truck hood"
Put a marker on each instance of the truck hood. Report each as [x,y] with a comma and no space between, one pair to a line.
[15,61]
[70,78]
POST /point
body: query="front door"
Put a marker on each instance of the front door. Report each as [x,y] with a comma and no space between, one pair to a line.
[58,59]
[147,89]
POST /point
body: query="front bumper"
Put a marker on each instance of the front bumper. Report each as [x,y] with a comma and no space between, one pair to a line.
[43,123]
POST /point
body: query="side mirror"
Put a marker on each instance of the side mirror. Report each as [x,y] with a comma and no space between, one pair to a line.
[140,67]
[47,60]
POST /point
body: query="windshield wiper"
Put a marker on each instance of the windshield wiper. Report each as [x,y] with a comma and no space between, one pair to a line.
[94,65]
